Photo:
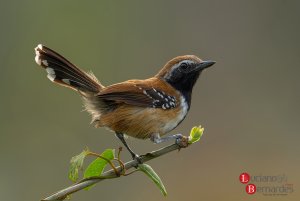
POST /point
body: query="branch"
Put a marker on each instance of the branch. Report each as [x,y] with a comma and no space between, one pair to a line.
[62,194]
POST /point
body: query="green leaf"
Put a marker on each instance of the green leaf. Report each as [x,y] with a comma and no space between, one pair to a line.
[147,169]
[96,167]
[195,134]
[76,165]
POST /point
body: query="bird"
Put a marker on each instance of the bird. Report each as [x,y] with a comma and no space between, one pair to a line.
[143,109]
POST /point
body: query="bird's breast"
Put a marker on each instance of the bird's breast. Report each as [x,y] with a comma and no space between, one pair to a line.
[180,114]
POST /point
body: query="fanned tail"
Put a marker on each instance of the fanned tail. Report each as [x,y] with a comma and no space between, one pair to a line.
[63,72]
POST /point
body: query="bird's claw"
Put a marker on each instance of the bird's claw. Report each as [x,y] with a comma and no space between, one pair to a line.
[138,159]
[178,138]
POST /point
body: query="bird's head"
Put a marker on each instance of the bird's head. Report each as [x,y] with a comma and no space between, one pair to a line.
[182,72]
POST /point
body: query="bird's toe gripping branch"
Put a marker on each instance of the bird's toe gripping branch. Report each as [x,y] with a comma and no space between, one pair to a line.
[180,140]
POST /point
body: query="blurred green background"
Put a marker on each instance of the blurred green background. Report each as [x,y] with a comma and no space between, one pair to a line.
[248,102]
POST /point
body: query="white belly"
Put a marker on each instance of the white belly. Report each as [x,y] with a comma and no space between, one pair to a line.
[181,115]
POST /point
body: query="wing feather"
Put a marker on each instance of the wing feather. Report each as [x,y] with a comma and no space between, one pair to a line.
[139,95]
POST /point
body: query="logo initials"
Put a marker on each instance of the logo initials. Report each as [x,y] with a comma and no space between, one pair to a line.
[250,189]
[244,178]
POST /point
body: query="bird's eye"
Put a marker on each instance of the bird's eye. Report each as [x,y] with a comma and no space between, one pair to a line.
[184,66]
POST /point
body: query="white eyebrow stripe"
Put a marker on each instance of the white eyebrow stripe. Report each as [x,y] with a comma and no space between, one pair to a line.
[175,66]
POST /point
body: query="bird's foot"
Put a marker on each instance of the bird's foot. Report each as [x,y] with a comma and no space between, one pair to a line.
[137,158]
[178,138]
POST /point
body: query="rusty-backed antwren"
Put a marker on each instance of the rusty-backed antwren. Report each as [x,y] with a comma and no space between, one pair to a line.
[142,109]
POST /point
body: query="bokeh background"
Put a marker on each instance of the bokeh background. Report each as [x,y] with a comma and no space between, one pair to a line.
[248,102]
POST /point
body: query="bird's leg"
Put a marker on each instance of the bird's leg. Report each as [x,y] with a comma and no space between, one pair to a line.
[134,155]
[157,139]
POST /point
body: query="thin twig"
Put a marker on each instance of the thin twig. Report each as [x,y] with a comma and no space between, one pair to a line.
[62,194]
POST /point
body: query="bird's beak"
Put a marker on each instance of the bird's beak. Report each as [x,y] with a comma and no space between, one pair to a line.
[204,64]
